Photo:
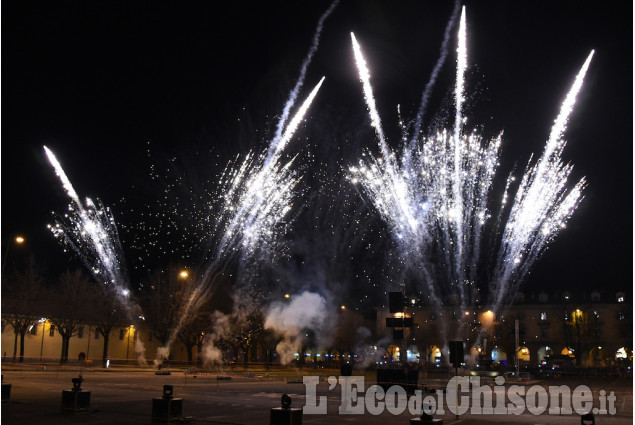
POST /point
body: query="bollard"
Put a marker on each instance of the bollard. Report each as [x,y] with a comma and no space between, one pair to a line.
[587,419]
[167,408]
[285,415]
[6,390]
[76,400]
[425,418]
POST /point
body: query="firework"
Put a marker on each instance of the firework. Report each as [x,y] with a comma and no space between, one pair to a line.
[434,196]
[90,230]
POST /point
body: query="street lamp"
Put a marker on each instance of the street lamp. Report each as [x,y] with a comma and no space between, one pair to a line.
[184,274]
[43,322]
[130,329]
[18,240]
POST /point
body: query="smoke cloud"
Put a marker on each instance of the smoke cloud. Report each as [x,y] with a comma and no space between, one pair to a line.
[305,313]
[211,354]
[369,353]
[140,349]
[162,354]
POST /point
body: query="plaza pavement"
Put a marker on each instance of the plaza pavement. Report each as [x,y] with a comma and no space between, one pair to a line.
[124,396]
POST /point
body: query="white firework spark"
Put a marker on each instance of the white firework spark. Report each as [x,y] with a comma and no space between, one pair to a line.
[90,230]
[257,196]
[435,198]
[543,204]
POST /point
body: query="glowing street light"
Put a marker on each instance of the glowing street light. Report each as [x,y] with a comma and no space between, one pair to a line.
[184,274]
[18,240]
[43,321]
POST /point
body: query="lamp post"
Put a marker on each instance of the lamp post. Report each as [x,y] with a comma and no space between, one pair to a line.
[128,344]
[18,240]
[43,321]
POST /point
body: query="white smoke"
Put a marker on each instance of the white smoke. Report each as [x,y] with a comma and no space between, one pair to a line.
[211,354]
[140,349]
[293,319]
[162,354]
[369,353]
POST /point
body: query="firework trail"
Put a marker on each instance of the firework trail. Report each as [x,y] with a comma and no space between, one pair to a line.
[90,230]
[435,72]
[273,146]
[255,198]
[435,198]
[542,204]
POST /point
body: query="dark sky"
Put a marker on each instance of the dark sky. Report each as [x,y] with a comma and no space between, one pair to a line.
[95,81]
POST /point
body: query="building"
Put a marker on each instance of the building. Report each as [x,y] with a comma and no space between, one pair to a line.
[591,329]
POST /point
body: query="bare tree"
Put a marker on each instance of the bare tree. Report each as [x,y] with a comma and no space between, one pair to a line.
[108,312]
[192,334]
[22,302]
[69,306]
[163,299]
[245,330]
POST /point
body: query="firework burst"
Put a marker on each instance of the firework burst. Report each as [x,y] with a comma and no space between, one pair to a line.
[434,195]
[90,230]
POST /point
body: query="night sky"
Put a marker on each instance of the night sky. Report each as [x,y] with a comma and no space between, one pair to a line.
[97,81]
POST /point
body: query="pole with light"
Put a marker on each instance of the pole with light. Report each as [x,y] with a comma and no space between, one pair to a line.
[18,240]
[43,322]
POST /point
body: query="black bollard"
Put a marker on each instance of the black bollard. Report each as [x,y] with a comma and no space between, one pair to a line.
[6,390]
[76,400]
[425,419]
[167,408]
[587,419]
[285,415]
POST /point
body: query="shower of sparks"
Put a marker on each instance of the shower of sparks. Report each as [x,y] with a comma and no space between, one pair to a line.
[90,230]
[300,81]
[254,199]
[543,204]
[434,197]
[257,195]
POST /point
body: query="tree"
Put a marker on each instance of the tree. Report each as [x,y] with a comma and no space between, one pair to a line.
[109,311]
[163,300]
[69,304]
[22,302]
[192,334]
[246,329]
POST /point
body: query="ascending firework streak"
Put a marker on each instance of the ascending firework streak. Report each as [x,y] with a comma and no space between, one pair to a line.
[434,198]
[255,198]
[90,230]
[542,204]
